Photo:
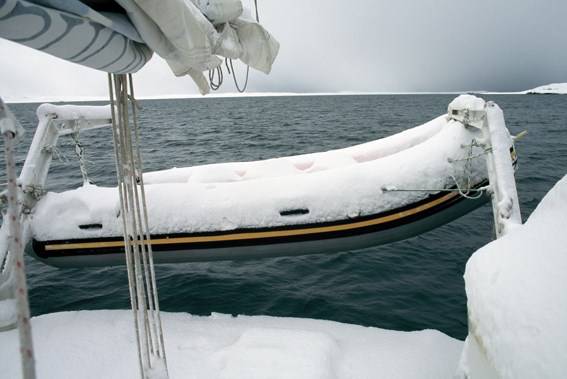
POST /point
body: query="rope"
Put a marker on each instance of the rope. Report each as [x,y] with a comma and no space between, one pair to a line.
[16,262]
[215,85]
[138,251]
[154,301]
[241,90]
[80,151]
[256,7]
[465,190]
[127,248]
[56,153]
[460,190]
[468,190]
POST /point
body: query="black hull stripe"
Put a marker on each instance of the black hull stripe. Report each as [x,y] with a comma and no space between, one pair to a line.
[259,236]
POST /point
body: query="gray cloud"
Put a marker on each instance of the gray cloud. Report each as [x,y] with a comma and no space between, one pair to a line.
[361,45]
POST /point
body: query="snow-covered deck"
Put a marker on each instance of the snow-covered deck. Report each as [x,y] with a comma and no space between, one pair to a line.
[101,344]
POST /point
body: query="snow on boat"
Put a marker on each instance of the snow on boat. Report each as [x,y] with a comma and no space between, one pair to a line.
[370,194]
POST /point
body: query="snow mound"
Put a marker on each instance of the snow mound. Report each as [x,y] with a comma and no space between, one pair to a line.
[101,344]
[516,297]
[554,88]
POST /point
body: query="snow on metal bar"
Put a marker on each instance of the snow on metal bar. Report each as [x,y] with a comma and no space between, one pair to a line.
[488,117]
[506,206]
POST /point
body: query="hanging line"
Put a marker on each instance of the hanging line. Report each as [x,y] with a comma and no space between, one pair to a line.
[150,272]
[230,68]
[80,152]
[243,89]
[256,7]
[216,85]
[138,250]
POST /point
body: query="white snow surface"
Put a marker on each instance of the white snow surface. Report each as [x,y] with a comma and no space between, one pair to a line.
[554,88]
[469,102]
[101,344]
[516,295]
[74,112]
[332,185]
[8,311]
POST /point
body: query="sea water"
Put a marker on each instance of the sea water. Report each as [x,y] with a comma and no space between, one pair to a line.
[408,285]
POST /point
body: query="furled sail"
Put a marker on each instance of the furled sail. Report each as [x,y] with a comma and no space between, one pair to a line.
[120,36]
[75,32]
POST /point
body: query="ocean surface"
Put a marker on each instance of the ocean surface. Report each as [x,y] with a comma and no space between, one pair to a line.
[408,285]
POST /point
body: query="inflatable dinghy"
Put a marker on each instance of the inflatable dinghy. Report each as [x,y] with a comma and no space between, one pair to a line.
[365,195]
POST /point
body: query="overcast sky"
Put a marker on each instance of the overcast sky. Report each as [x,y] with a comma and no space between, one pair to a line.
[357,45]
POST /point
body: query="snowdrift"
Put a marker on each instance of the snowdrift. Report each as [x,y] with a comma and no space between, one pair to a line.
[516,298]
[551,89]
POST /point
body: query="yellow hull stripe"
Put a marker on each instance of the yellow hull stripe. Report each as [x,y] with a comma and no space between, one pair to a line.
[266,234]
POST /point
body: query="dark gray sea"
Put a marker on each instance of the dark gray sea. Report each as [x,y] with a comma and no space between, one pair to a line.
[408,285]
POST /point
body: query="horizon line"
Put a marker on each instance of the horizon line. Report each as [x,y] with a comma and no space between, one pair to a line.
[64,98]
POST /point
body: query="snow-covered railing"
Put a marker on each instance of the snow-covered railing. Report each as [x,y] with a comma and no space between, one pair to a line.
[488,117]
[55,121]
[476,361]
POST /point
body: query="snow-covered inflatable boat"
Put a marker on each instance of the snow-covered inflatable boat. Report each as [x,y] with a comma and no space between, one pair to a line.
[370,194]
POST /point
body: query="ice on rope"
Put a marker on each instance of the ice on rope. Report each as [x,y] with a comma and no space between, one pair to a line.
[517,303]
[332,185]
[101,344]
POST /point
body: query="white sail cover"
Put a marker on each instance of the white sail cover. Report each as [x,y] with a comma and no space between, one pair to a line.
[189,36]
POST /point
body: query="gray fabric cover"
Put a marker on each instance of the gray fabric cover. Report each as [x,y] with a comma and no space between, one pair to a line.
[72,31]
